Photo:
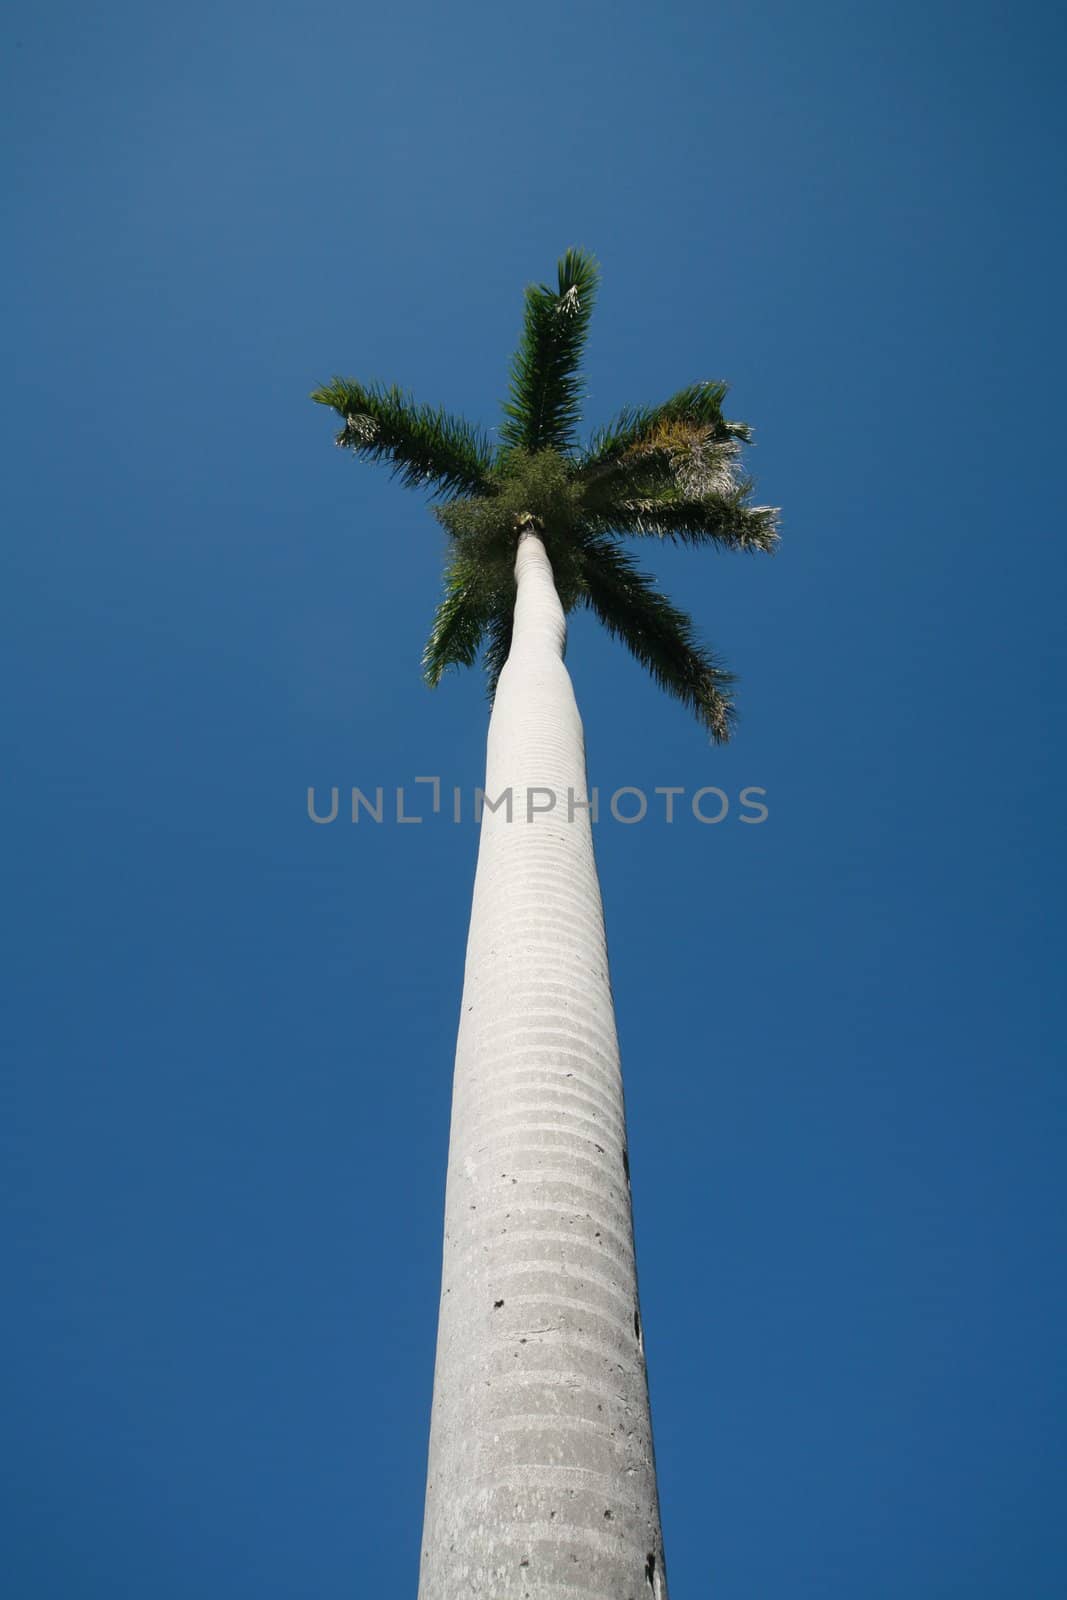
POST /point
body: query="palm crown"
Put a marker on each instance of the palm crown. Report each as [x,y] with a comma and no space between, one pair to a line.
[670,471]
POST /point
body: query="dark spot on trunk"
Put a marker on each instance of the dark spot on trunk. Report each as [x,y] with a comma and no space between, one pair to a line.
[637,1325]
[626,1162]
[497,1304]
[650,1570]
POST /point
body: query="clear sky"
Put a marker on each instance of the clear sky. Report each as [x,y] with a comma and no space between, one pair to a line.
[229,1039]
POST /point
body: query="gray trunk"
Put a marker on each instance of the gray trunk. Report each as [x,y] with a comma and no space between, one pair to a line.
[542,1481]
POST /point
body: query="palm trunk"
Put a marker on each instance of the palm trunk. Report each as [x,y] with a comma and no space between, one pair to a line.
[542,1481]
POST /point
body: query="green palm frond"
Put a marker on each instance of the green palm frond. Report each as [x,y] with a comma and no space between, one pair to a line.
[694,412]
[427,447]
[679,461]
[546,389]
[459,623]
[660,636]
[722,519]
[498,642]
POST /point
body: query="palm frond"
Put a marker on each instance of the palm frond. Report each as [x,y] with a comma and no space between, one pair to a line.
[722,519]
[693,415]
[498,642]
[546,389]
[660,636]
[459,623]
[676,460]
[427,447]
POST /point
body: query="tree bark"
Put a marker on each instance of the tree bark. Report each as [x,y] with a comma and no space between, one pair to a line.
[542,1481]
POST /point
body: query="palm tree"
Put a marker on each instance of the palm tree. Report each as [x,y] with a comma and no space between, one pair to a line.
[542,1480]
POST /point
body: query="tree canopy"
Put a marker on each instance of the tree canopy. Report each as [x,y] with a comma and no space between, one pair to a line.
[669,471]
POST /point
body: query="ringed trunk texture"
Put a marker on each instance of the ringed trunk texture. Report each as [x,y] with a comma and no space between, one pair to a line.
[542,1479]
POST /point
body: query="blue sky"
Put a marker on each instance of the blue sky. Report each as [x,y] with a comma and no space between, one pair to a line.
[229,1044]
